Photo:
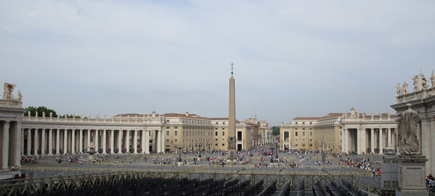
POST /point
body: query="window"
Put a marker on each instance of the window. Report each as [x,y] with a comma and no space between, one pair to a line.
[311,134]
[296,140]
[223,144]
[167,133]
[341,133]
[176,127]
[223,133]
[183,133]
[311,128]
[311,144]
[303,144]
[296,133]
[286,135]
[296,129]
[167,127]
[303,134]
[216,140]
[216,133]
[223,139]
[167,140]
[303,128]
[296,144]
[176,133]
[224,122]
[340,141]
[149,134]
[311,140]
[176,140]
[215,144]
[303,140]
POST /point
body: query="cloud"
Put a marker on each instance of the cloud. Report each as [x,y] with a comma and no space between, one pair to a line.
[292,58]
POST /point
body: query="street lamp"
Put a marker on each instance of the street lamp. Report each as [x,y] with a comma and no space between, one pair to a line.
[179,147]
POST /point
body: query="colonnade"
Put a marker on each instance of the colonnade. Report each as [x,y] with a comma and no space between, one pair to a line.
[10,143]
[77,141]
[368,140]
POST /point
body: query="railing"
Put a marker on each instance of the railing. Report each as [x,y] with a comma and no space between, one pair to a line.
[30,186]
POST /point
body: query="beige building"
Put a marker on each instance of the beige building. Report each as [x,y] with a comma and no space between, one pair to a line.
[340,132]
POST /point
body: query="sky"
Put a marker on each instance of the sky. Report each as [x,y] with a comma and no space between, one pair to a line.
[291,58]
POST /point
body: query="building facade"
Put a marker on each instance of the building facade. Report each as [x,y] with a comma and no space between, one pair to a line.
[340,132]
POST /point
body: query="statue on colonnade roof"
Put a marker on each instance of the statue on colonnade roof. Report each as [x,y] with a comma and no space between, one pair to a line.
[7,92]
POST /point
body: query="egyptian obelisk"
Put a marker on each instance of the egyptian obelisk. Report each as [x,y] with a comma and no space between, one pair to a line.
[232,119]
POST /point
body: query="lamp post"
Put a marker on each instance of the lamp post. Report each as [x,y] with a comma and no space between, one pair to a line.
[179,147]
[277,150]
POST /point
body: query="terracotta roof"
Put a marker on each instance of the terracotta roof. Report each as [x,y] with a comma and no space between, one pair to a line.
[330,115]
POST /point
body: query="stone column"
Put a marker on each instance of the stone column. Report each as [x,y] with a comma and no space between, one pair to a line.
[57,140]
[5,145]
[50,141]
[358,141]
[96,137]
[81,141]
[381,141]
[127,140]
[88,139]
[112,141]
[372,140]
[432,145]
[22,142]
[29,141]
[103,141]
[65,141]
[147,142]
[426,143]
[344,140]
[135,141]
[73,141]
[18,144]
[43,141]
[36,144]
[389,136]
[142,141]
[119,145]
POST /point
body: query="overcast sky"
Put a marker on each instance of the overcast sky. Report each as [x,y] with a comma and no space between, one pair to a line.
[291,58]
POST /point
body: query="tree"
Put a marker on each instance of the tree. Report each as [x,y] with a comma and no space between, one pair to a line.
[275,130]
[40,110]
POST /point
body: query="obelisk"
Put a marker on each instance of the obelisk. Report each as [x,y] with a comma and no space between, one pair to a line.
[232,119]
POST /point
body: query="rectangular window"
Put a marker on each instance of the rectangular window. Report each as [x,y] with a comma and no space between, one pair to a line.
[303,134]
[176,140]
[296,144]
[183,133]
[176,133]
[311,134]
[303,144]
[341,133]
[167,133]
[286,136]
[311,144]
[167,140]
[223,144]
[223,139]
[296,134]
[239,135]
[303,140]
[296,140]
[216,133]
[223,133]
[303,128]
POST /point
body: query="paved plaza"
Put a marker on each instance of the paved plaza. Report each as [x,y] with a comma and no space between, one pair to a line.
[49,166]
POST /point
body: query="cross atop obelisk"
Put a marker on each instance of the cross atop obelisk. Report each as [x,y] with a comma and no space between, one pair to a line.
[232,119]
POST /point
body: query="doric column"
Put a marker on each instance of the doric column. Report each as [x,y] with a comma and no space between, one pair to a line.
[358,141]
[43,141]
[160,141]
[5,145]
[103,141]
[81,141]
[22,142]
[142,141]
[344,140]
[389,136]
[88,139]
[119,144]
[18,145]
[432,145]
[147,142]
[65,141]
[50,141]
[372,140]
[57,141]
[96,137]
[381,144]
[112,141]
[426,143]
[135,141]
[29,141]
[127,141]
[36,144]
[73,141]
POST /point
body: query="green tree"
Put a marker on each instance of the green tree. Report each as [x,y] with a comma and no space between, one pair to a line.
[275,130]
[40,110]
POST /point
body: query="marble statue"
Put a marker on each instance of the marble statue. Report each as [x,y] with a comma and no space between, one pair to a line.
[408,125]
[8,89]
[19,96]
[6,94]
[399,89]
[432,79]
[405,88]
[420,82]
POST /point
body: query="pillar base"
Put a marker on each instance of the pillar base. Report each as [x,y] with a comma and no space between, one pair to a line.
[412,175]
